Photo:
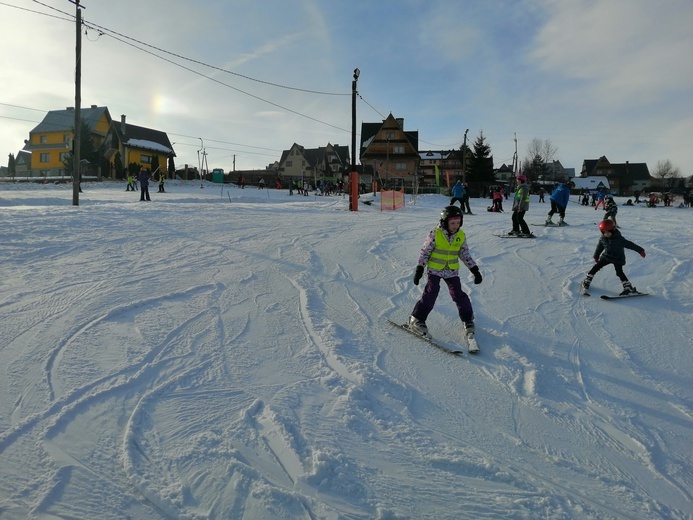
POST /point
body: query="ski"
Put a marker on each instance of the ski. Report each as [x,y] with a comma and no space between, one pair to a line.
[550,225]
[618,297]
[427,339]
[514,236]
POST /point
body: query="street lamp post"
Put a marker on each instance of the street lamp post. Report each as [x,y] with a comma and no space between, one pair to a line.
[353,176]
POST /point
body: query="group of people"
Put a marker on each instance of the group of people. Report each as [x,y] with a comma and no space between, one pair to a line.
[445,249]
[143,177]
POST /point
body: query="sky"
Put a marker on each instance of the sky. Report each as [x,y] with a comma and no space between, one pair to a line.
[244,80]
[153,368]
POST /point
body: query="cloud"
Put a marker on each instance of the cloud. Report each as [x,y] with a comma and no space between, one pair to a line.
[614,52]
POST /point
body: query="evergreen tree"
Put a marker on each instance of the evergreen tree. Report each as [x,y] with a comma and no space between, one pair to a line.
[171,168]
[480,164]
[155,166]
[11,165]
[118,165]
[88,150]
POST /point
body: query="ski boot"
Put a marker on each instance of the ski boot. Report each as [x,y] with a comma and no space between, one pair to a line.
[418,327]
[549,222]
[627,289]
[472,345]
[562,223]
[585,285]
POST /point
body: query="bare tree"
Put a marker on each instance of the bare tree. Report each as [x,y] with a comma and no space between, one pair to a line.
[667,173]
[539,154]
[544,149]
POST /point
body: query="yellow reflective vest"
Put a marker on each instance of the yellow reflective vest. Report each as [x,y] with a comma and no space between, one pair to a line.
[446,254]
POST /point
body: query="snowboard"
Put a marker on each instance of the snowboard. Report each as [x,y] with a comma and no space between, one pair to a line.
[427,339]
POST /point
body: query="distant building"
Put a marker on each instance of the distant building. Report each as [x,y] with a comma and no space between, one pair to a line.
[623,178]
[449,163]
[391,152]
[593,183]
[51,142]
[329,162]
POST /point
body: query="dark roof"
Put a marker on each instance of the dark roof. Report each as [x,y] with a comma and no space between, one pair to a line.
[370,130]
[142,137]
[57,120]
[627,170]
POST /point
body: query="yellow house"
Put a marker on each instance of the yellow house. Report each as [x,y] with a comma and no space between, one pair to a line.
[137,145]
[51,141]
[120,143]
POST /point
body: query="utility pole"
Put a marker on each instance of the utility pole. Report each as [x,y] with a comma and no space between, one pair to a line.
[464,157]
[353,176]
[515,157]
[76,148]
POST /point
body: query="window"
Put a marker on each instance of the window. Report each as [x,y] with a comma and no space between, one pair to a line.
[389,135]
[43,139]
[289,164]
[398,149]
[64,156]
[146,159]
[66,138]
[401,166]
[45,157]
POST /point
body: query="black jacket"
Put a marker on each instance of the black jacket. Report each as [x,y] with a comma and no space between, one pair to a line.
[612,249]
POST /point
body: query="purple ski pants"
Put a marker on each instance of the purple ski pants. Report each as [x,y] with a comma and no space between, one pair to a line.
[428,299]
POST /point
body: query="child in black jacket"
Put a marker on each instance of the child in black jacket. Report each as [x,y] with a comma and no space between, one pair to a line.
[611,250]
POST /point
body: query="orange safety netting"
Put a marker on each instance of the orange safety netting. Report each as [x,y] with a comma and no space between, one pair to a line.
[391,200]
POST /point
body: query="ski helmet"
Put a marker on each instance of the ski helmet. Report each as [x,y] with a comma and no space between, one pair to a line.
[449,212]
[522,178]
[606,225]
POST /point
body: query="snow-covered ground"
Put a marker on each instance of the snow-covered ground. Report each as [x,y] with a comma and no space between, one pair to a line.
[225,354]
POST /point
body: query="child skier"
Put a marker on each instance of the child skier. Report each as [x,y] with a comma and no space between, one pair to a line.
[520,207]
[611,250]
[441,253]
[611,209]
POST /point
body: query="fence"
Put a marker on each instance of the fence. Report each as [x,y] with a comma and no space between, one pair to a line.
[391,200]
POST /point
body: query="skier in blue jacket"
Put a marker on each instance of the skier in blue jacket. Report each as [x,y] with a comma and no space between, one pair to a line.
[559,201]
[458,193]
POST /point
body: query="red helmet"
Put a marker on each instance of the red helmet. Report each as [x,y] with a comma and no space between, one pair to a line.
[521,178]
[606,225]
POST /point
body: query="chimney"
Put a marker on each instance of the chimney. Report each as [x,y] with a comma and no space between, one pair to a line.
[70,108]
[400,122]
[93,106]
[122,124]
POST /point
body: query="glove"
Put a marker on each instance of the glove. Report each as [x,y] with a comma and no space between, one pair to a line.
[643,254]
[477,275]
[418,274]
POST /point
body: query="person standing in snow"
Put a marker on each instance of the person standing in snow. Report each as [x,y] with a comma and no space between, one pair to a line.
[441,253]
[559,202]
[465,199]
[143,177]
[520,207]
[611,209]
[457,194]
[611,250]
[600,200]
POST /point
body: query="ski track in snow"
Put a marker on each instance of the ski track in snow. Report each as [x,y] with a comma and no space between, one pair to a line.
[264,383]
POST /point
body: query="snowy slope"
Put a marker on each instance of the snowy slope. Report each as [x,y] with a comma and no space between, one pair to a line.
[225,354]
